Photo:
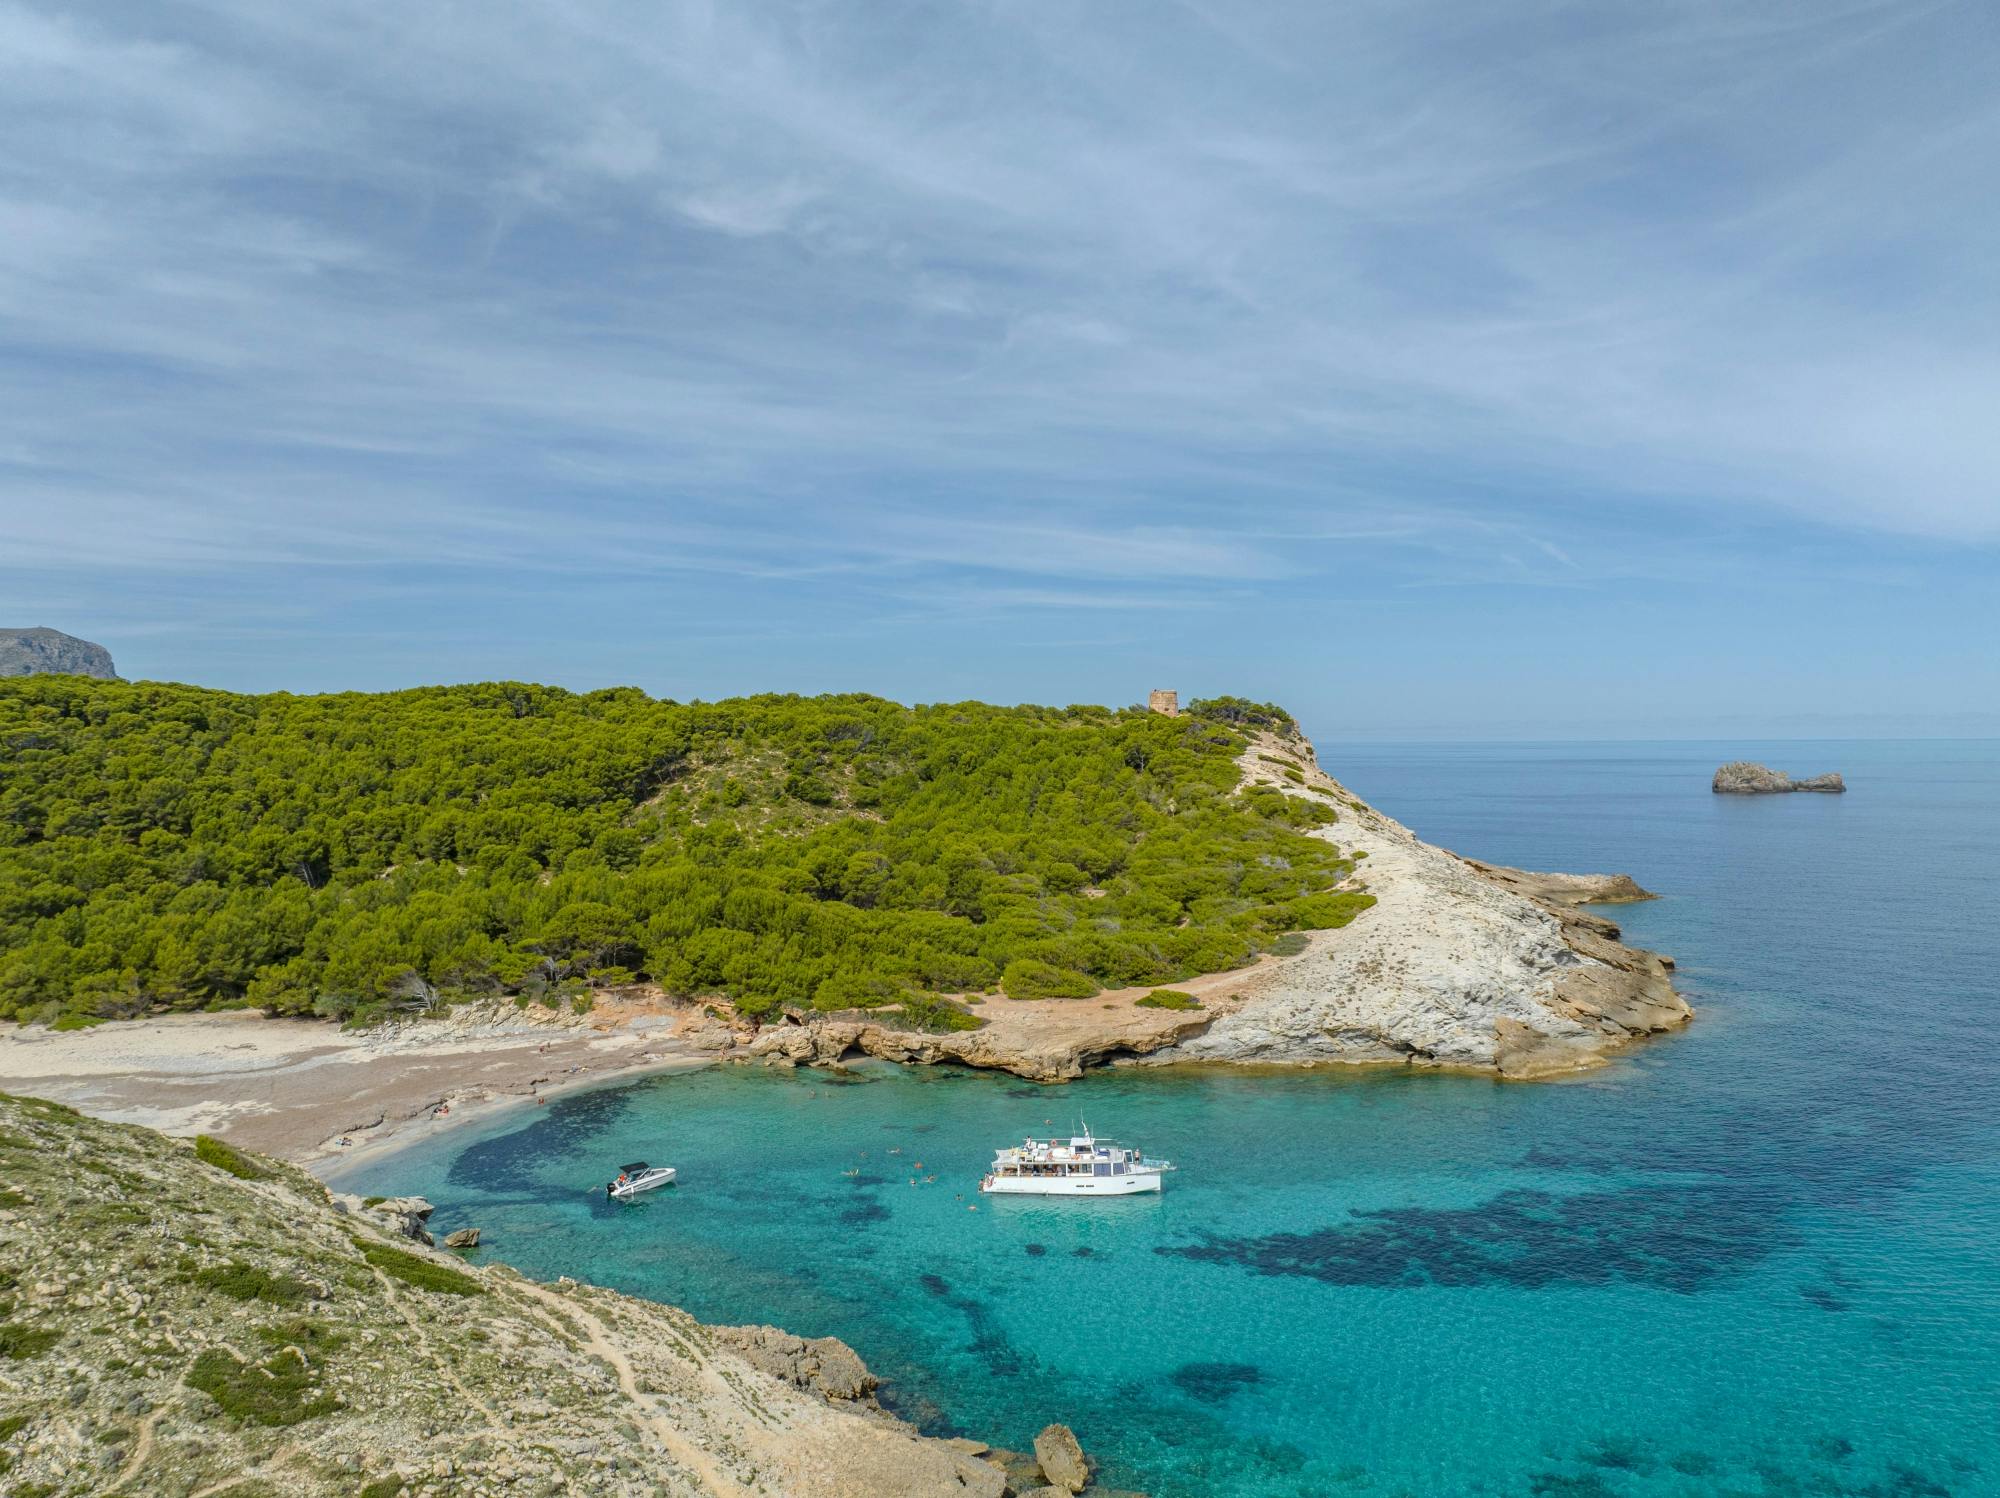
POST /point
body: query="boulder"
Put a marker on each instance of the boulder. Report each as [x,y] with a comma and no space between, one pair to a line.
[1743,778]
[825,1365]
[406,1215]
[1061,1459]
[463,1238]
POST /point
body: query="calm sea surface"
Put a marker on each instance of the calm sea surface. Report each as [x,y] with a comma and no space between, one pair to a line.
[1760,1257]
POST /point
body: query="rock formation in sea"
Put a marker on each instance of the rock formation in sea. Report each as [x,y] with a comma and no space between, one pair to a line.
[1743,778]
[181,1317]
[24,652]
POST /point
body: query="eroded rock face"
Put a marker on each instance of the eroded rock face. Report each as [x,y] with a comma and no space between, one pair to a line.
[24,652]
[825,1365]
[1058,1057]
[1458,964]
[1742,778]
[463,1238]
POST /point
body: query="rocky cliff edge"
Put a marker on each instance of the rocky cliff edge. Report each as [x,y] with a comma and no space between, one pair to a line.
[1459,964]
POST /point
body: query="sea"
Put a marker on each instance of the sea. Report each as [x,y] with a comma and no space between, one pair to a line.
[1760,1256]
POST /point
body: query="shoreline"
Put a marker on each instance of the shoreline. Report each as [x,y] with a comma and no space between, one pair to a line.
[294,1088]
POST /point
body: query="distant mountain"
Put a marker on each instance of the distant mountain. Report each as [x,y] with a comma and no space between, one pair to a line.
[23,652]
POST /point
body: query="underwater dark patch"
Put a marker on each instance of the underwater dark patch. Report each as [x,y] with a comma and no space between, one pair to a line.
[1822,1297]
[1215,1383]
[862,1213]
[867,1180]
[1083,1251]
[1692,1463]
[1832,1448]
[988,1341]
[1033,1250]
[1678,1239]
[1618,1454]
[1558,1485]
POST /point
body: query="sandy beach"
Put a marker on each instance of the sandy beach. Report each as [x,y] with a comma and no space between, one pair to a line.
[297,1088]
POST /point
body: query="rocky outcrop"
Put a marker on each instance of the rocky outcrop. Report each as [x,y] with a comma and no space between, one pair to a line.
[463,1238]
[1458,964]
[1742,778]
[826,1366]
[406,1216]
[24,652]
[1057,1051]
[1061,1459]
[176,1329]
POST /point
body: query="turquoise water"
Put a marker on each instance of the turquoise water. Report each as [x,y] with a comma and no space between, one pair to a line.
[1759,1257]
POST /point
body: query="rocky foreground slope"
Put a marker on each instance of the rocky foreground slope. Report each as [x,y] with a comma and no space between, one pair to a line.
[1458,964]
[182,1319]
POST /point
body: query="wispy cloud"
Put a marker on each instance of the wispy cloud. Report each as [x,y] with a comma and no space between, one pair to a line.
[1017,303]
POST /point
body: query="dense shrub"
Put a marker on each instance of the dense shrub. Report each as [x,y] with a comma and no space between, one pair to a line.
[227,1157]
[241,1281]
[1028,978]
[940,1016]
[277,1391]
[19,1342]
[413,1269]
[355,855]
[1168,998]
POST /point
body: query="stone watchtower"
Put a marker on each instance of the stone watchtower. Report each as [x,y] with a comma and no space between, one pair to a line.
[1168,703]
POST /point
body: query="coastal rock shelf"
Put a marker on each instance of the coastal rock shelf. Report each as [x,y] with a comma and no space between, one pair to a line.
[1459,964]
[1743,778]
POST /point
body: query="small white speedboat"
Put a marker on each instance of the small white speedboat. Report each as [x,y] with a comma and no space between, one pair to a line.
[638,1178]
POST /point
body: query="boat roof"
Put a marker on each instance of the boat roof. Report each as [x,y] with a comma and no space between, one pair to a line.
[635,1168]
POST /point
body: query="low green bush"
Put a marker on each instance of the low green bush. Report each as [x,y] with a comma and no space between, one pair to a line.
[1322,912]
[19,1343]
[307,1333]
[940,1016]
[1030,978]
[1168,998]
[420,1272]
[1290,944]
[227,1157]
[248,1282]
[275,1392]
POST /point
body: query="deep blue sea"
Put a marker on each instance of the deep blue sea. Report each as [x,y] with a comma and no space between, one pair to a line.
[1759,1257]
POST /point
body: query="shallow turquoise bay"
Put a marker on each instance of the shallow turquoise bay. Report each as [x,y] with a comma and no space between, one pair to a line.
[1760,1257]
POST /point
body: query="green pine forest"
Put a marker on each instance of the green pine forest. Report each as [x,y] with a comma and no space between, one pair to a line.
[358,855]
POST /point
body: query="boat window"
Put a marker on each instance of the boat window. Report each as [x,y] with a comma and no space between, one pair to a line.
[1103,1168]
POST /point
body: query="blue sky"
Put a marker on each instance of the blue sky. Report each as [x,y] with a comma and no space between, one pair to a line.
[1539,370]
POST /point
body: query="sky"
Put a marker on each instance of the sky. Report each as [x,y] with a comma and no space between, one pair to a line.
[1440,370]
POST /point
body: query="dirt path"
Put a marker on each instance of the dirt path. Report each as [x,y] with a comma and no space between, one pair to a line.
[601,1345]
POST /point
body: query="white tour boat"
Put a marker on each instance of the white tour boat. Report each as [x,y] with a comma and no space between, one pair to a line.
[1081,1165]
[638,1177]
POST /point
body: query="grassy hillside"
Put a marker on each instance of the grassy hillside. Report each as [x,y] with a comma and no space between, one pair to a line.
[185,1321]
[170,847]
